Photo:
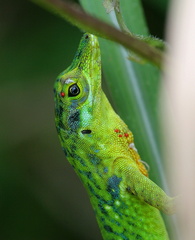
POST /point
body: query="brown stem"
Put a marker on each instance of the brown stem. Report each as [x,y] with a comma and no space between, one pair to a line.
[75,14]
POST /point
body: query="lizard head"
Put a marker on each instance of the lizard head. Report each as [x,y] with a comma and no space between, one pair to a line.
[79,85]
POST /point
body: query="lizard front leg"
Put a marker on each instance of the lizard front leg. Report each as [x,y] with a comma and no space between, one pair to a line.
[144,188]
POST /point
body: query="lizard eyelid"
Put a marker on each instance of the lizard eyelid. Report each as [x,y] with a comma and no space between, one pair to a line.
[67,81]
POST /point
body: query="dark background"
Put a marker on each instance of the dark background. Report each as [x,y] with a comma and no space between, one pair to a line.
[40,195]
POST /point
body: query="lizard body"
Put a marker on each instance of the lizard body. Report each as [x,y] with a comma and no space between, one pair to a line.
[100,147]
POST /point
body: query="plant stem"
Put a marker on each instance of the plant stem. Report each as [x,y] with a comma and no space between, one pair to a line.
[120,18]
[74,14]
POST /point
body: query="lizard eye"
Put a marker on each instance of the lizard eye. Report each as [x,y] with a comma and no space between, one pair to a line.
[74,90]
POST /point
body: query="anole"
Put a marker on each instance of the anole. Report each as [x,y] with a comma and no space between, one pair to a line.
[100,147]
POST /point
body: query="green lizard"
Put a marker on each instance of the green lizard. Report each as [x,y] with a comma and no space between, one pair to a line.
[101,149]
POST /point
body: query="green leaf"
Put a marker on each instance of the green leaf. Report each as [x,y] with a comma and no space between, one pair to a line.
[132,87]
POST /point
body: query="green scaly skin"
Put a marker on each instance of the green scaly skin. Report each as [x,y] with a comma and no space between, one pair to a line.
[100,147]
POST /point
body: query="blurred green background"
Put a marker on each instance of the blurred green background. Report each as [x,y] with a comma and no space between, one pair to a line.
[40,195]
